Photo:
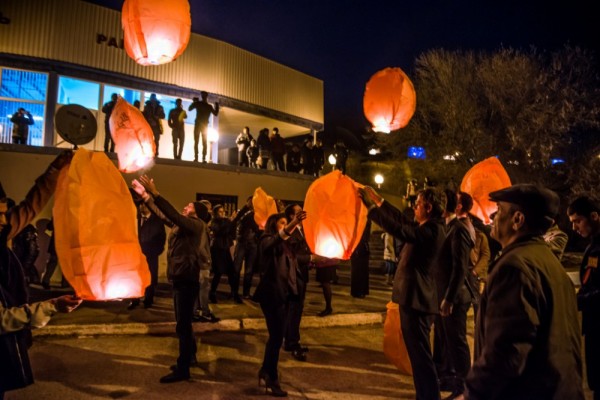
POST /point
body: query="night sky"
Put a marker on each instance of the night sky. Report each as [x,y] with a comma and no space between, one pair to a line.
[344,42]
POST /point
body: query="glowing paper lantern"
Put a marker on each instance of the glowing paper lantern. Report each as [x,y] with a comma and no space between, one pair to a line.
[156,31]
[335,216]
[95,227]
[482,179]
[390,100]
[133,137]
[264,206]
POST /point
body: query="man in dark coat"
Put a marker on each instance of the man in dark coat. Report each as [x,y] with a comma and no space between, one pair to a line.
[527,335]
[203,111]
[451,349]
[17,317]
[154,112]
[176,122]
[277,150]
[246,249]
[152,238]
[107,109]
[183,269]
[414,285]
[584,214]
[297,243]
[22,119]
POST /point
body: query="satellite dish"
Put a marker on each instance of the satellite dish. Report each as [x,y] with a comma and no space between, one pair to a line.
[75,124]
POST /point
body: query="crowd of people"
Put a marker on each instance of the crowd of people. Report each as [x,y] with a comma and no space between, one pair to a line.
[441,261]
[269,151]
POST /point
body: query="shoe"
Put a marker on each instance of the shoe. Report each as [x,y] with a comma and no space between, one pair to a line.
[325,312]
[133,304]
[175,376]
[211,318]
[296,347]
[193,363]
[272,384]
[237,299]
[299,355]
[359,296]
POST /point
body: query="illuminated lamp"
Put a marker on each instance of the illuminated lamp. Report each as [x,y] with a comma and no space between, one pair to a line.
[483,178]
[332,160]
[555,161]
[417,152]
[156,31]
[95,226]
[378,180]
[264,206]
[390,100]
[335,216]
[133,137]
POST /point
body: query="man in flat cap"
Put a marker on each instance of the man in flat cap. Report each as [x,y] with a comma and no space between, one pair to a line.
[527,336]
[184,260]
[584,214]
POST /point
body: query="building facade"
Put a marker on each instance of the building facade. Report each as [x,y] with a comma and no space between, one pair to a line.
[58,52]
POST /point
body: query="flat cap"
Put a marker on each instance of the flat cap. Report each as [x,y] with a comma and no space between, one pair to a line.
[535,201]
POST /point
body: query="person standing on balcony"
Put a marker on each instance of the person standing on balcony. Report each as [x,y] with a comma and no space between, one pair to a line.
[107,108]
[21,121]
[176,121]
[203,111]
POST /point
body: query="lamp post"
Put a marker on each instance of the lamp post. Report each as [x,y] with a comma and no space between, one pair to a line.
[332,161]
[378,180]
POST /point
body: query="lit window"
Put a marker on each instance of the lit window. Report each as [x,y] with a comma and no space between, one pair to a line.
[76,91]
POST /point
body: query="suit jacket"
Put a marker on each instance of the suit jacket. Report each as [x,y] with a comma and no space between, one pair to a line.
[414,283]
[151,235]
[297,243]
[453,264]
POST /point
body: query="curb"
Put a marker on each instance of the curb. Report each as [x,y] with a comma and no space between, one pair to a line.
[168,328]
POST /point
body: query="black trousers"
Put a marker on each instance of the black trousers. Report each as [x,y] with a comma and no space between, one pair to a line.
[200,132]
[151,289]
[416,326]
[275,316]
[359,277]
[109,143]
[278,161]
[245,254]
[592,349]
[184,296]
[295,308]
[451,338]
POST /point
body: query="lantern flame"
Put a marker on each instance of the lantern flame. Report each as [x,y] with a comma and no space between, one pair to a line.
[330,248]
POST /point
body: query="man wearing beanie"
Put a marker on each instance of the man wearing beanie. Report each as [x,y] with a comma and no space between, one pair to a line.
[183,268]
[527,336]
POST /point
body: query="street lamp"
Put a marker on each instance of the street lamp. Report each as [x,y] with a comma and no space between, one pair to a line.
[378,180]
[332,161]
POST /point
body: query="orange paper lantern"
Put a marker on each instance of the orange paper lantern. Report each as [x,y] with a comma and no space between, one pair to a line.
[482,179]
[335,216]
[133,137]
[156,31]
[390,100]
[95,227]
[264,206]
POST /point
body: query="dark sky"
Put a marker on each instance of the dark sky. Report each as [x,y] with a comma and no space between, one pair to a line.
[344,42]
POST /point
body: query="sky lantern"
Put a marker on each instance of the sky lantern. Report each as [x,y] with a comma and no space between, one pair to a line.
[133,137]
[156,31]
[335,216]
[264,206]
[390,100]
[483,178]
[95,227]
